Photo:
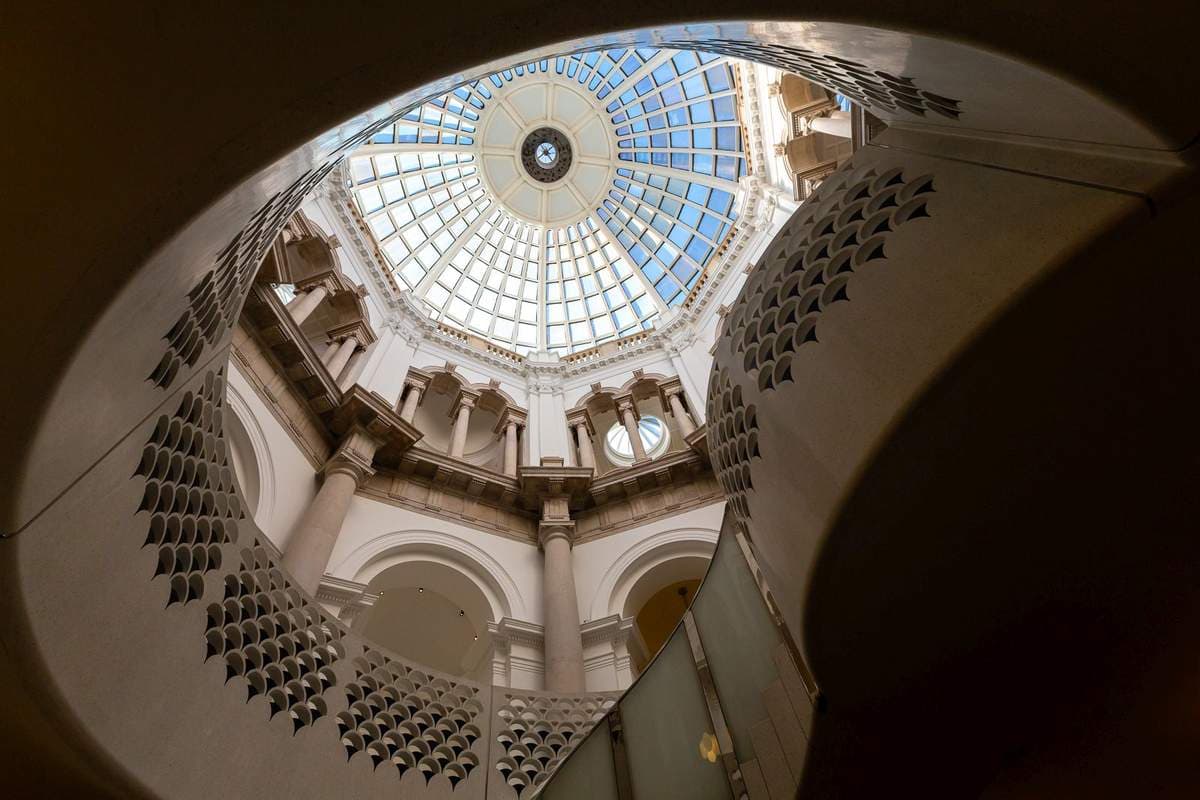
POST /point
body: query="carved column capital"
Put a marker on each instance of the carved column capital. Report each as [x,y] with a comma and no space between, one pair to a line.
[511,415]
[581,416]
[354,456]
[626,405]
[557,529]
[417,379]
[466,398]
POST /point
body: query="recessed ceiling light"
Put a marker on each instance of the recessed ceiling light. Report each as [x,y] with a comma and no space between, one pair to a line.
[420,589]
[462,613]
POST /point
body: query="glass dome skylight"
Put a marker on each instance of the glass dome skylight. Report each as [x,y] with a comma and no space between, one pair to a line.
[652,432]
[629,186]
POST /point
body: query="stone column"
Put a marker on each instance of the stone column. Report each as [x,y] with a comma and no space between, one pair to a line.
[694,393]
[587,456]
[629,419]
[303,305]
[412,398]
[316,534]
[350,372]
[329,350]
[686,425]
[458,438]
[836,124]
[337,362]
[564,645]
[510,448]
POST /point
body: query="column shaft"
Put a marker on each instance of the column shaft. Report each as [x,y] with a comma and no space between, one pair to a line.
[350,372]
[587,456]
[329,351]
[686,425]
[564,646]
[338,360]
[458,439]
[510,449]
[836,124]
[635,436]
[311,545]
[303,305]
[412,396]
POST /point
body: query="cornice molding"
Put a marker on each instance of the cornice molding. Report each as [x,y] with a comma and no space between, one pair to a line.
[612,628]
[509,631]
[343,592]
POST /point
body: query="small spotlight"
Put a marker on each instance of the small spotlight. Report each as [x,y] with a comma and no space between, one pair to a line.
[477,638]
[420,589]
[462,613]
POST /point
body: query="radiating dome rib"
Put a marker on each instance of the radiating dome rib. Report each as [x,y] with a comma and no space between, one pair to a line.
[490,285]
[592,292]
[682,115]
[489,252]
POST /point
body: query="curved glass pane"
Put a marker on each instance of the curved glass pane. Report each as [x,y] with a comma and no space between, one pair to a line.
[653,434]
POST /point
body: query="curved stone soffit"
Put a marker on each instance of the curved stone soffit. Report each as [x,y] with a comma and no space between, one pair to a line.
[475,563]
[537,731]
[843,227]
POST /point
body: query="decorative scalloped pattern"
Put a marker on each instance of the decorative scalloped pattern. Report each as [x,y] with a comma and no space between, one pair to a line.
[538,732]
[189,492]
[213,303]
[733,441]
[872,88]
[411,719]
[274,640]
[808,266]
[844,225]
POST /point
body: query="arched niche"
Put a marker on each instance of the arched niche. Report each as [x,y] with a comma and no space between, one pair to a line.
[432,613]
[375,556]
[648,565]
[656,603]
[435,418]
[600,404]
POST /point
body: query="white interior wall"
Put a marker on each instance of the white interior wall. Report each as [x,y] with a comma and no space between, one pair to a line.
[287,480]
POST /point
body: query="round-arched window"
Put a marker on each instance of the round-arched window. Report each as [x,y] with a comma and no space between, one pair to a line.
[655,439]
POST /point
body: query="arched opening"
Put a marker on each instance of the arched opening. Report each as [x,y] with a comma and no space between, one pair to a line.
[435,419]
[433,614]
[656,602]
